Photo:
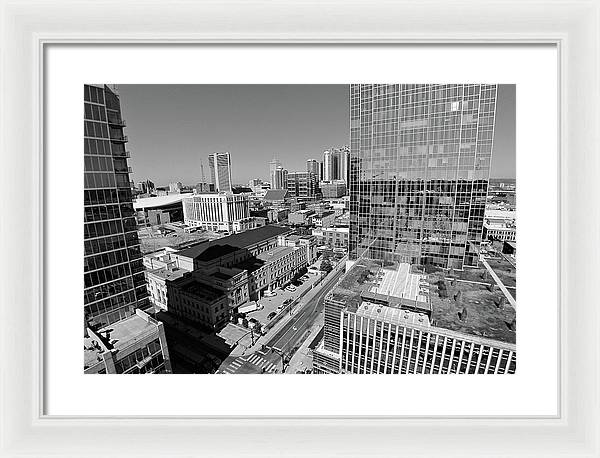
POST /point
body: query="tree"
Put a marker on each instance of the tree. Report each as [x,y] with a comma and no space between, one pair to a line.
[326,266]
[245,323]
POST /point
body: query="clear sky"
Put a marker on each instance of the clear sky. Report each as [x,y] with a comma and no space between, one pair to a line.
[172,127]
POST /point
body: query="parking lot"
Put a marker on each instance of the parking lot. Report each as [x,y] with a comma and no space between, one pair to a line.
[270,304]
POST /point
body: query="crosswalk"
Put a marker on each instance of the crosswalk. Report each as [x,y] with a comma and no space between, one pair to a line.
[259,361]
[255,360]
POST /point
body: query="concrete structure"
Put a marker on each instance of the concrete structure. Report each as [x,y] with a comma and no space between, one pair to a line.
[333,189]
[334,237]
[302,184]
[418,192]
[387,320]
[135,345]
[273,166]
[301,217]
[220,212]
[220,171]
[226,273]
[500,225]
[324,219]
[114,284]
[160,209]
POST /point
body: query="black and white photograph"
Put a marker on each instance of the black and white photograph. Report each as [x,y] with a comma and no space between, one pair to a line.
[300,229]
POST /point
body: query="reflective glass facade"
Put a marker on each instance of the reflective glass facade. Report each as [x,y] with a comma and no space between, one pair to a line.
[114,284]
[419,169]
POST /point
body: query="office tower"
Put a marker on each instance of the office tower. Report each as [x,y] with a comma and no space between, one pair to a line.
[219,212]
[333,189]
[273,166]
[314,166]
[220,171]
[328,166]
[420,164]
[114,284]
[301,184]
[279,180]
[343,157]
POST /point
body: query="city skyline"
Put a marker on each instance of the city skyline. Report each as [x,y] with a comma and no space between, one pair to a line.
[189,122]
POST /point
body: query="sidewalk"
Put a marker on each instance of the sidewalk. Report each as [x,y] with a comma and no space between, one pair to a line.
[302,359]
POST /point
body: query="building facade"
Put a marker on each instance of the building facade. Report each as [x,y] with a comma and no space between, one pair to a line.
[419,171]
[333,189]
[114,284]
[135,345]
[280,177]
[334,237]
[302,184]
[220,212]
[220,171]
[314,166]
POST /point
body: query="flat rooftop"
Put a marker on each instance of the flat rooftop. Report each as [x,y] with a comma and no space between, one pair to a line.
[477,310]
[241,240]
[392,315]
[201,290]
[159,201]
[167,273]
[275,253]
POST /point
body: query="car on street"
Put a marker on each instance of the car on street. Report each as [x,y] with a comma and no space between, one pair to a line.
[287,301]
[270,293]
[291,288]
[271,315]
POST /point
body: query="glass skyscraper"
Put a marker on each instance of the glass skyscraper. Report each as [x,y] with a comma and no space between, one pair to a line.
[419,169]
[114,283]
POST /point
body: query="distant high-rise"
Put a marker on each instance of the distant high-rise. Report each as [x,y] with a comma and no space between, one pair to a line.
[419,171]
[220,171]
[273,166]
[279,180]
[114,283]
[343,157]
[314,166]
[328,166]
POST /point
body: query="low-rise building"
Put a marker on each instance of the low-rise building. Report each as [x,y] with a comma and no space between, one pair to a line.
[334,237]
[135,345]
[500,225]
[325,219]
[301,217]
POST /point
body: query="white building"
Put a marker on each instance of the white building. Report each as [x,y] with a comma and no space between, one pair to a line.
[500,225]
[219,212]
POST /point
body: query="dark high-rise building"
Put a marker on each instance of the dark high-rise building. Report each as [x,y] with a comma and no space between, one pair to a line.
[114,284]
[419,170]
[220,171]
[314,167]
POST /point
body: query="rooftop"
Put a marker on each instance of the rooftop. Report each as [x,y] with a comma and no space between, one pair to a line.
[201,290]
[240,240]
[276,194]
[392,315]
[117,336]
[275,253]
[159,201]
[167,273]
[468,305]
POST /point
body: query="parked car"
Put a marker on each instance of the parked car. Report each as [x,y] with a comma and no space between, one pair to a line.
[271,315]
[287,301]
[291,288]
[270,293]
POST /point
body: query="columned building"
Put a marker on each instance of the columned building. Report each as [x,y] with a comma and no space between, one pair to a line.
[220,212]
[420,164]
[220,171]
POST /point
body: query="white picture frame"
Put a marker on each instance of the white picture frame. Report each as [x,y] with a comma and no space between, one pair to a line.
[28,27]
